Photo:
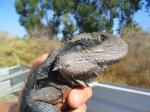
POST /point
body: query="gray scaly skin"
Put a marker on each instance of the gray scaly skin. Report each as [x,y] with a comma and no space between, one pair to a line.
[73,65]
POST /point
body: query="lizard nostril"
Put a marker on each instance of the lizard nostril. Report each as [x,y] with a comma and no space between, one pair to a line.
[67,65]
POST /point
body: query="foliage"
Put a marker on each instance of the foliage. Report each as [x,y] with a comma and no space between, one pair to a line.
[75,15]
[31,15]
[147,6]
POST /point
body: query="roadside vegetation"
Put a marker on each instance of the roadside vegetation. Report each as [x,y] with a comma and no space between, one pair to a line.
[133,70]
[15,50]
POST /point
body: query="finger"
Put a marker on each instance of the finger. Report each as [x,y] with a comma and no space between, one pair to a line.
[4,106]
[78,97]
[35,64]
[9,107]
[81,108]
[39,60]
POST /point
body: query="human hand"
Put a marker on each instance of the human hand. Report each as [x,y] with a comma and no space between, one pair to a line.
[77,97]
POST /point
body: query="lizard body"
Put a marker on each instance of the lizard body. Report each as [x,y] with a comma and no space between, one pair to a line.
[72,65]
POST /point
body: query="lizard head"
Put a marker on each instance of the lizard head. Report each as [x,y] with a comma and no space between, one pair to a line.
[90,54]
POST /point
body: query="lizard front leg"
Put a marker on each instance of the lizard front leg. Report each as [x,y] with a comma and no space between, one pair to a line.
[51,95]
[38,106]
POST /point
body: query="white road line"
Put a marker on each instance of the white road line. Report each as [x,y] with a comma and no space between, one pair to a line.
[120,88]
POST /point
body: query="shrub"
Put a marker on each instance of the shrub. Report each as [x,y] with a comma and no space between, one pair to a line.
[23,51]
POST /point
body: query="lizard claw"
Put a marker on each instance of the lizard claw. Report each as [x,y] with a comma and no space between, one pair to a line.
[82,83]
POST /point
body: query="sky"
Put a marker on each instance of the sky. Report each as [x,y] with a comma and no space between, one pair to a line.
[9,19]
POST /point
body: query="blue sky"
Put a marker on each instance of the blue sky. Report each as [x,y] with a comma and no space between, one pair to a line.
[9,19]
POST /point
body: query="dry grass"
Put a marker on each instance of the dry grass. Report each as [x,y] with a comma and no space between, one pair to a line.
[23,51]
[134,69]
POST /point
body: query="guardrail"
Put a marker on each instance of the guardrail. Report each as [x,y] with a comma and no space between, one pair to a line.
[11,79]
[12,89]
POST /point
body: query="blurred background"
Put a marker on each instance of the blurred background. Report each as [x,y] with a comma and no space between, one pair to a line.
[30,28]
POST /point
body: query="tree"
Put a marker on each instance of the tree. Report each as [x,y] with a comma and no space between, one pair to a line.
[32,13]
[147,6]
[75,16]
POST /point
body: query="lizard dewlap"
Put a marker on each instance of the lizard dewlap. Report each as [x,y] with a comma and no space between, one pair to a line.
[72,65]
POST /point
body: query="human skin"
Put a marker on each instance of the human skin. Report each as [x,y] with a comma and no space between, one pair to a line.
[76,98]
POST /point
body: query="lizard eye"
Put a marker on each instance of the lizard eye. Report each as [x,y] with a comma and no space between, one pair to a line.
[103,37]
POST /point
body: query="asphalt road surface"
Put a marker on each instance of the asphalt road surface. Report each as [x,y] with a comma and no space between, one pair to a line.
[117,98]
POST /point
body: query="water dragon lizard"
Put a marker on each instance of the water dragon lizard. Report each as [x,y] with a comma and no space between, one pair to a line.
[74,64]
